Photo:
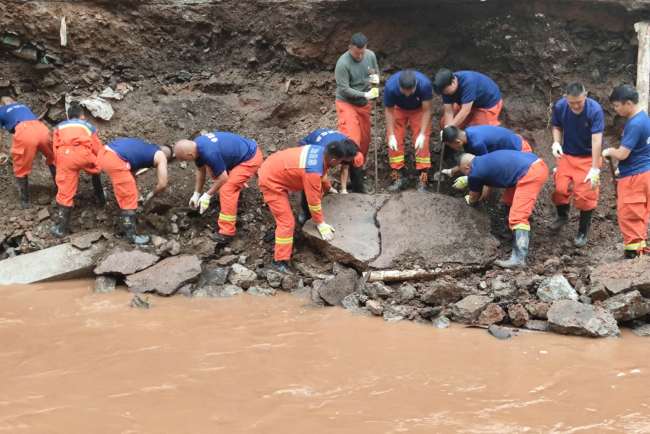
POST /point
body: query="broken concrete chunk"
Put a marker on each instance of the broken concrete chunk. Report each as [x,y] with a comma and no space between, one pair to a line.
[125,262]
[573,318]
[241,276]
[274,278]
[43,214]
[214,276]
[334,290]
[375,307]
[83,241]
[470,307]
[442,292]
[622,276]
[492,314]
[556,288]
[104,284]
[166,276]
[538,309]
[537,325]
[98,107]
[627,306]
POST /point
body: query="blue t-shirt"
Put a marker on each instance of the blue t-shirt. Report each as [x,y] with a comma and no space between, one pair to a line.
[222,151]
[137,152]
[476,87]
[577,129]
[482,139]
[322,137]
[636,138]
[13,114]
[499,169]
[393,96]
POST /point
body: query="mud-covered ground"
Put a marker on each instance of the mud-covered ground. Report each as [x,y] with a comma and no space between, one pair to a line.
[264,69]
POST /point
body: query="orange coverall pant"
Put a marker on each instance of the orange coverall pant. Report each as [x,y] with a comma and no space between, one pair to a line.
[29,137]
[633,210]
[70,160]
[119,171]
[570,181]
[479,116]
[522,197]
[413,119]
[354,122]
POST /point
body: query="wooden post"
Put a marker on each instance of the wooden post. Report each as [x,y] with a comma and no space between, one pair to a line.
[643,63]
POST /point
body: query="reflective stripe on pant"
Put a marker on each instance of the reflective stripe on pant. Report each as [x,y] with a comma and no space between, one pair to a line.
[569,181]
[354,122]
[413,119]
[522,197]
[30,136]
[525,146]
[278,202]
[478,116]
[124,185]
[70,160]
[633,209]
[229,192]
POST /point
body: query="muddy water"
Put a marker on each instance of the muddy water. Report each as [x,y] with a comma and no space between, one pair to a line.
[75,362]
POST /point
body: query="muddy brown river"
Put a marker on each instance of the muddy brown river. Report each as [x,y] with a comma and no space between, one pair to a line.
[76,362]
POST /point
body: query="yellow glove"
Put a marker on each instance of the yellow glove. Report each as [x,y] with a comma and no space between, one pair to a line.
[326,231]
[372,93]
[461,183]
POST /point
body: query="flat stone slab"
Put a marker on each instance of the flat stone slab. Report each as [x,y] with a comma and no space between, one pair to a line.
[54,263]
[570,317]
[125,262]
[622,276]
[84,240]
[166,276]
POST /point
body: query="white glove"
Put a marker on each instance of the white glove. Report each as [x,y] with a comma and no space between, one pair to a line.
[447,172]
[332,190]
[326,231]
[392,142]
[593,176]
[607,153]
[373,78]
[194,201]
[204,202]
[372,93]
[467,199]
[461,183]
[557,150]
[344,191]
[419,142]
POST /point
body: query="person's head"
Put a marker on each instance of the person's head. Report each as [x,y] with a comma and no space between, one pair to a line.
[624,98]
[341,151]
[167,151]
[454,137]
[445,82]
[358,44]
[465,164]
[6,100]
[75,111]
[185,150]
[576,95]
[407,82]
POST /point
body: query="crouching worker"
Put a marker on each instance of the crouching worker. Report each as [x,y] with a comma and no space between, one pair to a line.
[120,160]
[523,175]
[299,169]
[231,160]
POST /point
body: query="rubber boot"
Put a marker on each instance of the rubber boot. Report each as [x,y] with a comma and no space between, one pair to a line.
[399,181]
[583,228]
[423,181]
[61,226]
[304,214]
[128,223]
[519,251]
[99,190]
[281,266]
[23,191]
[504,230]
[221,239]
[562,217]
[356,180]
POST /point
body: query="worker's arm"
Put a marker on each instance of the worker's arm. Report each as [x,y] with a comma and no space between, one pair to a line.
[160,161]
[620,153]
[342,76]
[95,144]
[217,183]
[390,120]
[312,187]
[427,109]
[447,114]
[596,149]
[460,117]
[473,198]
[557,135]
[200,179]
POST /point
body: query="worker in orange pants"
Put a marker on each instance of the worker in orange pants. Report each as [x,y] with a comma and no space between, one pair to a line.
[523,175]
[120,160]
[299,169]
[231,160]
[633,204]
[76,146]
[29,136]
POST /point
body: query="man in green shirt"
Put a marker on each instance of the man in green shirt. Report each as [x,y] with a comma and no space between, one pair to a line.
[357,78]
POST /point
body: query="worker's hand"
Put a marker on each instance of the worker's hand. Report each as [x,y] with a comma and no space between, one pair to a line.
[372,93]
[467,199]
[419,142]
[204,202]
[373,78]
[194,200]
[593,176]
[326,231]
[392,142]
[461,183]
[447,172]
[607,153]
[557,150]
[332,190]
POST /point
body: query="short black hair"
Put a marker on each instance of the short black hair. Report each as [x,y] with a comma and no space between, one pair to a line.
[359,40]
[407,79]
[450,134]
[623,93]
[342,149]
[443,78]
[575,89]
[75,110]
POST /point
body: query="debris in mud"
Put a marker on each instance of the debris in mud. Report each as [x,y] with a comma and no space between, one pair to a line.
[139,302]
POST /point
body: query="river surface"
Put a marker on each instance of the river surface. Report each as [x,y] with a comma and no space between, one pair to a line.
[76,362]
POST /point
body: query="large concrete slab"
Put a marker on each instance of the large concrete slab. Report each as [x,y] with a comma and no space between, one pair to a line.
[54,263]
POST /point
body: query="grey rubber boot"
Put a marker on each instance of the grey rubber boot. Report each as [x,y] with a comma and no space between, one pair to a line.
[562,217]
[23,191]
[128,223]
[61,226]
[583,229]
[519,251]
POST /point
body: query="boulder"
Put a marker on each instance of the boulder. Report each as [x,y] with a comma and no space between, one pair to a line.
[556,288]
[375,307]
[166,276]
[274,278]
[518,315]
[334,290]
[241,276]
[538,309]
[470,307]
[125,262]
[573,318]
[442,292]
[627,306]
[214,276]
[492,314]
[622,276]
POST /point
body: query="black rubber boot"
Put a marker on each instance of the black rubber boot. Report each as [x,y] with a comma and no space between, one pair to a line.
[61,226]
[356,180]
[128,223]
[399,180]
[562,217]
[304,214]
[23,191]
[99,190]
[583,229]
[504,230]
[221,239]
[519,251]
[281,266]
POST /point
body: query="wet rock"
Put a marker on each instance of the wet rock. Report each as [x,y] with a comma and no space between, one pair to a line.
[217,291]
[470,307]
[518,315]
[261,291]
[157,241]
[642,330]
[552,264]
[166,276]
[622,276]
[83,241]
[274,278]
[335,289]
[241,276]
[214,276]
[104,284]
[502,288]
[584,299]
[43,214]
[395,313]
[186,290]
[125,262]
[627,306]
[501,332]
[377,290]
[169,248]
[406,292]
[556,288]
[598,293]
[573,318]
[492,314]
[538,309]
[230,290]
[525,281]
[442,292]
[429,312]
[140,302]
[352,303]
[441,322]
[289,282]
[375,307]
[537,325]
